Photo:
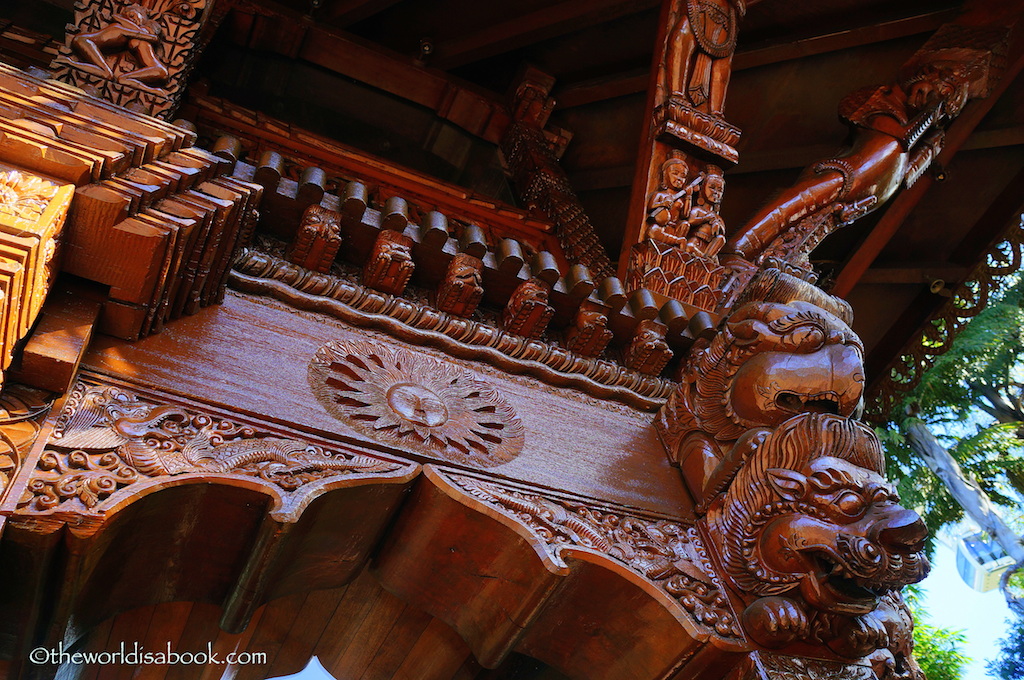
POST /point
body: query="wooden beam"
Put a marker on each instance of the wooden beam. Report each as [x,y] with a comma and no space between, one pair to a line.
[554,20]
[907,273]
[634,81]
[275,27]
[904,203]
[344,13]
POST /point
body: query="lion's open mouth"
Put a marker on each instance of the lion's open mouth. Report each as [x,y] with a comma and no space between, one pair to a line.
[822,402]
[846,594]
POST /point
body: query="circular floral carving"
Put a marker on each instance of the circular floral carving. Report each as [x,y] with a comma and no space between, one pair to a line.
[416,402]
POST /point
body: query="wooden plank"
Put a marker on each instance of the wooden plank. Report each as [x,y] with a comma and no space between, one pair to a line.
[395,648]
[371,633]
[125,630]
[439,653]
[200,629]
[97,642]
[340,633]
[165,630]
[270,633]
[228,643]
[342,13]
[309,627]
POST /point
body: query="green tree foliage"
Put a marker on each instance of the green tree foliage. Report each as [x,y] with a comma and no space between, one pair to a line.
[973,399]
[1009,663]
[939,651]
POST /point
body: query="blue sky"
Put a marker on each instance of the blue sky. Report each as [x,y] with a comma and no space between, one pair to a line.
[953,604]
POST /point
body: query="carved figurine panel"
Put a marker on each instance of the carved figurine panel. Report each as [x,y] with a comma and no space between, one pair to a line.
[461,290]
[528,312]
[413,401]
[135,54]
[390,265]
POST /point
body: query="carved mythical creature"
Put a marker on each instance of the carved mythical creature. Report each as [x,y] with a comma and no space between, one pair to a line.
[390,265]
[770,362]
[317,240]
[813,536]
[647,351]
[888,146]
[462,287]
[133,32]
[527,312]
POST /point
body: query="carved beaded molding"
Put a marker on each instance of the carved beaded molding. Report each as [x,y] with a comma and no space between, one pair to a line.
[417,402]
[263,274]
[670,554]
[108,439]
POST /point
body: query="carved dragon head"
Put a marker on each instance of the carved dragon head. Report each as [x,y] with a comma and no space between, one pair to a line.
[811,518]
[770,362]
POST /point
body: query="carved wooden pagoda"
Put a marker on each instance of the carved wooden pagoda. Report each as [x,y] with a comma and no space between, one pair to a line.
[266,393]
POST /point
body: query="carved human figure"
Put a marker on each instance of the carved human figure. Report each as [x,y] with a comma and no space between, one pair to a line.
[698,60]
[889,142]
[812,536]
[669,206]
[131,31]
[706,229]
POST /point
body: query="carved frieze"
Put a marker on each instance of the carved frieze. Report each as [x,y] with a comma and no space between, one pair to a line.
[136,55]
[670,554]
[108,439]
[263,274]
[417,402]
[318,239]
[782,667]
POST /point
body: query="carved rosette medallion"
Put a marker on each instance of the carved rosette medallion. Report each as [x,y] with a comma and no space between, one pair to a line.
[416,402]
[108,438]
[670,554]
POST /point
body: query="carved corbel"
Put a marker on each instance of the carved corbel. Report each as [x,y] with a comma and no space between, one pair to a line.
[318,239]
[589,334]
[648,352]
[528,312]
[390,265]
[461,289]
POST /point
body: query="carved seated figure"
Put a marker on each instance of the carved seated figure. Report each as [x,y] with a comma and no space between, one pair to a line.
[770,361]
[813,537]
[684,214]
[132,32]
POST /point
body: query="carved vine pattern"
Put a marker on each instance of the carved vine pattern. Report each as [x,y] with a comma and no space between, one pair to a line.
[970,297]
[107,439]
[264,274]
[780,667]
[670,554]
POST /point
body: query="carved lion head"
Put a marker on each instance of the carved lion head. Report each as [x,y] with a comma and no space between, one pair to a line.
[810,516]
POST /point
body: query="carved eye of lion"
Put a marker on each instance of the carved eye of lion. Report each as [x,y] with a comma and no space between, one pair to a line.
[849,503]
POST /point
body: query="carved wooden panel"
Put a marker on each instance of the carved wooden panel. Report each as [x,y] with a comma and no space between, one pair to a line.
[390,265]
[132,54]
[22,410]
[109,442]
[318,239]
[416,402]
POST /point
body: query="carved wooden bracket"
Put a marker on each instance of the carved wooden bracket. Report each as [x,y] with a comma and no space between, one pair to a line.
[317,241]
[132,54]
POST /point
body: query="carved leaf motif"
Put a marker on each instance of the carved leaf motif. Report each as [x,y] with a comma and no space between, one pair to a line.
[670,554]
[415,401]
[107,438]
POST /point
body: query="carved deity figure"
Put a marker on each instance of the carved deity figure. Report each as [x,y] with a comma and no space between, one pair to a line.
[699,56]
[685,214]
[131,32]
[813,537]
[896,131]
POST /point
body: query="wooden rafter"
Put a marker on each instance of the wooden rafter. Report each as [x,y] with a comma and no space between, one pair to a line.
[548,22]
[344,13]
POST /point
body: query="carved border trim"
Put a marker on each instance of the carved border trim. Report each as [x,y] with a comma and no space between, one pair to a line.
[653,547]
[904,372]
[262,274]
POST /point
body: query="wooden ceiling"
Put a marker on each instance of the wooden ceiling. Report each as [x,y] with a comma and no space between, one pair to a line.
[795,60]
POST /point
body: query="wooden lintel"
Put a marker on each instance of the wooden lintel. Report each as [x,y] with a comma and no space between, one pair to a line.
[547,22]
[475,110]
[904,203]
[635,81]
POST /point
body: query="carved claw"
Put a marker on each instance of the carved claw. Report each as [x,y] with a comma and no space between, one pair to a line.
[859,636]
[775,621]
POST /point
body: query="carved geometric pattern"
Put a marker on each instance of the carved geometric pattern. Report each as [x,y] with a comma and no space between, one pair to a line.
[670,554]
[108,438]
[779,667]
[413,400]
[24,197]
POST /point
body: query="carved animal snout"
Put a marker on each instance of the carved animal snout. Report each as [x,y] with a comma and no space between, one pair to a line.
[904,532]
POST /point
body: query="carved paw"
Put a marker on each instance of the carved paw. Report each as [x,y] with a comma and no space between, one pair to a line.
[775,621]
[859,636]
